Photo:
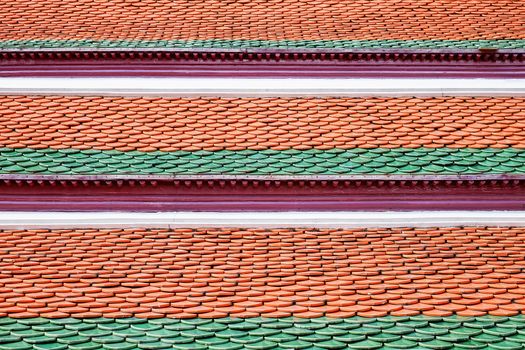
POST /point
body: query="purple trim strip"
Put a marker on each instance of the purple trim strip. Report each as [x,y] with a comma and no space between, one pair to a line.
[263,70]
[265,50]
[260,195]
[471,54]
[262,64]
[251,180]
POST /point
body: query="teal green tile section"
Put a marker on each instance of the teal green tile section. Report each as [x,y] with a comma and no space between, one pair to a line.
[354,161]
[421,332]
[267,44]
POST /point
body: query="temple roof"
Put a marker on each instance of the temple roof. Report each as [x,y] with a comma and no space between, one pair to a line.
[403,288]
[184,281]
[420,332]
[411,24]
[242,273]
[263,136]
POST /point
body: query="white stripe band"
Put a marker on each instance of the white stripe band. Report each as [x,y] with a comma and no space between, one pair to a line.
[251,87]
[58,220]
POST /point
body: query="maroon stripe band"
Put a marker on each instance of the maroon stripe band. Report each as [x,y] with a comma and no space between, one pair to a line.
[264,63]
[263,70]
[253,195]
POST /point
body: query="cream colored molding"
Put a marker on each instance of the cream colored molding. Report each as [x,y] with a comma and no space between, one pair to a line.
[57,220]
[267,87]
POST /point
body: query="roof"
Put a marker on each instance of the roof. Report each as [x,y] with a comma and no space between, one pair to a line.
[238,288]
[242,273]
[261,136]
[264,334]
[273,24]
[255,288]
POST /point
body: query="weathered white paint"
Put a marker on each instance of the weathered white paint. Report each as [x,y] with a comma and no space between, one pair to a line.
[49,220]
[267,87]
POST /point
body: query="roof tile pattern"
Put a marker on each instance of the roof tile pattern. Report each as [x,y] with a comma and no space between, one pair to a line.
[257,20]
[292,45]
[173,136]
[431,333]
[335,161]
[211,124]
[243,273]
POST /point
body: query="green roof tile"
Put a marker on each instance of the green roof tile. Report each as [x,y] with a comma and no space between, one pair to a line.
[225,162]
[415,333]
[506,345]
[365,345]
[262,345]
[119,346]
[190,346]
[85,346]
[402,344]
[331,344]
[17,345]
[281,44]
[51,346]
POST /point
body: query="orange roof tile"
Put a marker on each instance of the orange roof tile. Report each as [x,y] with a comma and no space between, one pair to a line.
[271,273]
[274,20]
[172,124]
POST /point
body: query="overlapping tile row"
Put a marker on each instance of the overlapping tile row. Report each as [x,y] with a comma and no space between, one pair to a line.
[280,136]
[211,124]
[378,161]
[245,273]
[420,332]
[289,23]
[291,45]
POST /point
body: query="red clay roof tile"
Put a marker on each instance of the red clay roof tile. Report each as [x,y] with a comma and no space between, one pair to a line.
[274,20]
[187,273]
[45,122]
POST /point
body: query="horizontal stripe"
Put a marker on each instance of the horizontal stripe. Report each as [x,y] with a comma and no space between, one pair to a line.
[334,220]
[381,179]
[262,87]
[267,44]
[263,193]
[499,333]
[396,161]
[162,124]
[270,64]
[305,273]
[269,20]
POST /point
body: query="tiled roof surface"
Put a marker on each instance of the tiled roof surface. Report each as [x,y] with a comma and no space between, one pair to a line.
[404,288]
[431,333]
[335,161]
[275,23]
[211,124]
[217,273]
[95,135]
